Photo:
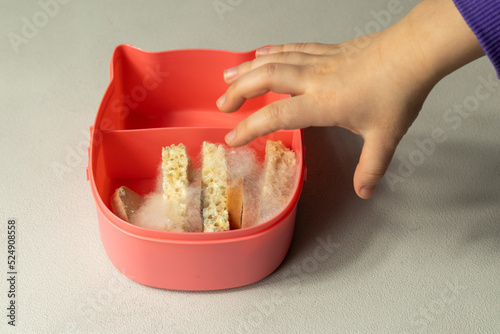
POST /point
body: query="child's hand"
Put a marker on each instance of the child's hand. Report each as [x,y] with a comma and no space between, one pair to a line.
[359,92]
[374,86]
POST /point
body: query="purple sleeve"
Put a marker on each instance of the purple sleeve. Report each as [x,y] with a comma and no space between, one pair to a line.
[483,17]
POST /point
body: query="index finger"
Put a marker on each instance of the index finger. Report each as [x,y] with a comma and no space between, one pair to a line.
[311,48]
[290,113]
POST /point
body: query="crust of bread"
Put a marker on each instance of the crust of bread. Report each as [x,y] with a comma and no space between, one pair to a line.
[125,203]
[235,204]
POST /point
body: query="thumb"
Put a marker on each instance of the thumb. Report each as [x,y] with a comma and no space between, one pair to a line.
[375,158]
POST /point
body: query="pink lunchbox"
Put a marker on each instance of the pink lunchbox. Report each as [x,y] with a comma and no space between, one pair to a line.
[156,99]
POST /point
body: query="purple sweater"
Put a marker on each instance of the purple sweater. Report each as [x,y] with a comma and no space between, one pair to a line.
[483,17]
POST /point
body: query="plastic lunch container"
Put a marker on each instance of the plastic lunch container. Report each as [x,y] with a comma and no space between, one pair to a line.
[156,99]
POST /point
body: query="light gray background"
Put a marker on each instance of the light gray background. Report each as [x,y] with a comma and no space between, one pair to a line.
[422,256]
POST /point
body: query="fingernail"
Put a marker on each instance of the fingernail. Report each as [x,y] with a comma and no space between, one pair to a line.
[230,136]
[262,51]
[366,192]
[230,73]
[221,100]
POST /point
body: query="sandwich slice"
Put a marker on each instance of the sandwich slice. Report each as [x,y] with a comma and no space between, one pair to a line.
[175,183]
[279,178]
[214,188]
[125,203]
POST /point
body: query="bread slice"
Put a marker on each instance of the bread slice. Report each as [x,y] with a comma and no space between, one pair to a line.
[279,175]
[125,203]
[235,203]
[214,188]
[175,182]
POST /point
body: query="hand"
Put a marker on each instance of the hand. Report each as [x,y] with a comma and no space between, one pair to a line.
[375,91]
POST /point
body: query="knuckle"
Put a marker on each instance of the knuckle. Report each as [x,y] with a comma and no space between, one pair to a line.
[232,89]
[373,177]
[316,45]
[279,48]
[299,47]
[376,172]
[255,63]
[276,117]
[302,46]
[373,173]
[327,100]
[282,57]
[242,129]
[332,49]
[269,70]
[243,126]
[322,48]
[321,67]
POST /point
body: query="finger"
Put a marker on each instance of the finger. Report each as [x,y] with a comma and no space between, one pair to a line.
[375,158]
[291,113]
[311,48]
[279,78]
[292,58]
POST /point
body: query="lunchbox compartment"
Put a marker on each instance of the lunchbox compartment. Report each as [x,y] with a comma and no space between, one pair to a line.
[132,158]
[177,89]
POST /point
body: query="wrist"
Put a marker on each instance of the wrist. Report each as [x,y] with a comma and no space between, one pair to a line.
[441,37]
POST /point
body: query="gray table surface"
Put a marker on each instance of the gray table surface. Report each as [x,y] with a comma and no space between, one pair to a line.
[422,256]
